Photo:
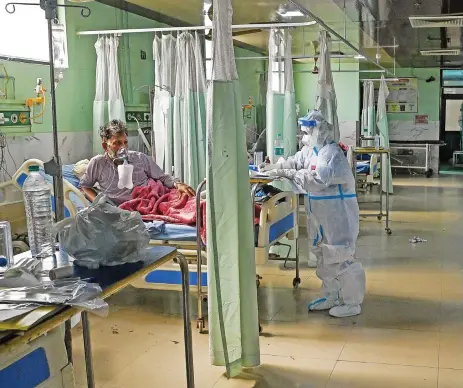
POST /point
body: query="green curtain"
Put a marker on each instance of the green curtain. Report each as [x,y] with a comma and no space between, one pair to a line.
[233,316]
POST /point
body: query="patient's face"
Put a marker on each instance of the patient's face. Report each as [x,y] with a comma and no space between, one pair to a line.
[115,143]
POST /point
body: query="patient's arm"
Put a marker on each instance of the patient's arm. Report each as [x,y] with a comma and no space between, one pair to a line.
[90,194]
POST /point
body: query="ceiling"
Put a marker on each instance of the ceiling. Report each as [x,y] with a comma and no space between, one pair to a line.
[367,24]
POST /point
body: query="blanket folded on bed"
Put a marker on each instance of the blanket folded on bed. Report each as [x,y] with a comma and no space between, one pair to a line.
[157,202]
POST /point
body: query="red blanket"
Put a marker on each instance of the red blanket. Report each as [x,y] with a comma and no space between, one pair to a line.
[157,202]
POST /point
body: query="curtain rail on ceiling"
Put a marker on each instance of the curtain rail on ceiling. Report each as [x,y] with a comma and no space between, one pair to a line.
[378,79]
[296,57]
[196,28]
[322,24]
[333,71]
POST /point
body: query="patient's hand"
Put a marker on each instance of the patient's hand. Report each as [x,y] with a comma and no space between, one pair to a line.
[184,189]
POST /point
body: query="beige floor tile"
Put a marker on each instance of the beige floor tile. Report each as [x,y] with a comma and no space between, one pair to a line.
[367,375]
[450,378]
[123,336]
[303,339]
[281,281]
[390,346]
[163,366]
[279,372]
[450,353]
[390,314]
[293,372]
[452,317]
[411,290]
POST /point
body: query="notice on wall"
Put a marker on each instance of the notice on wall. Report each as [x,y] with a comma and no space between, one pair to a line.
[403,96]
[421,119]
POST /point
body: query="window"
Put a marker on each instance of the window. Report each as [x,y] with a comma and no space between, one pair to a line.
[24,33]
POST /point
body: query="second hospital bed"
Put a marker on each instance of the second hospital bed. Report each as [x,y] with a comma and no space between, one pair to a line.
[278,219]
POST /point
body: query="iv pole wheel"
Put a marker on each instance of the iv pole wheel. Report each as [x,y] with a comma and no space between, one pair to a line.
[296,282]
[388,231]
[428,174]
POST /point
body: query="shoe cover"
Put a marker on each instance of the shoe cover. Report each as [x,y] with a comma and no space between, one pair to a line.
[345,310]
[312,260]
[322,304]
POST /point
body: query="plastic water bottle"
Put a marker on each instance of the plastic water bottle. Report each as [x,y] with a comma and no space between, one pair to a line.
[37,201]
[278,148]
[377,142]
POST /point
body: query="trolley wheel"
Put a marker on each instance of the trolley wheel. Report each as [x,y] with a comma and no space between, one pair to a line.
[200,325]
[204,298]
[257,283]
[379,217]
[428,174]
[260,329]
[388,231]
[296,282]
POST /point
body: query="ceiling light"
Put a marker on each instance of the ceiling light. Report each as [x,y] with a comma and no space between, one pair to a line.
[292,14]
[283,10]
[438,52]
[359,57]
[436,21]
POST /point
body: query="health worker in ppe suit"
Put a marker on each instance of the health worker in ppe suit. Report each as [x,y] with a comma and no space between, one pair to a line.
[323,171]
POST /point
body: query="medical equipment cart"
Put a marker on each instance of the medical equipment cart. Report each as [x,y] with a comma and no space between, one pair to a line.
[381,152]
[19,351]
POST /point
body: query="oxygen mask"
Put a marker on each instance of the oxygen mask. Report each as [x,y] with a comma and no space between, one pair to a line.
[124,169]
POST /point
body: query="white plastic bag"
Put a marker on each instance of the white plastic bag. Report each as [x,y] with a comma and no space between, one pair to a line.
[103,234]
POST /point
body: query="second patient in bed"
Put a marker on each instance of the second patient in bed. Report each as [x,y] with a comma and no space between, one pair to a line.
[102,169]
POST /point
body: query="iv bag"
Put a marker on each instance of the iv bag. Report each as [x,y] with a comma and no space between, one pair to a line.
[125,176]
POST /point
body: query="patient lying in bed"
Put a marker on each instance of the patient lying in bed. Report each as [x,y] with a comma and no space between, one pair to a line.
[102,169]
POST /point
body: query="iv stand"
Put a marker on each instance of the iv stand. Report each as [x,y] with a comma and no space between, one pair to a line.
[53,167]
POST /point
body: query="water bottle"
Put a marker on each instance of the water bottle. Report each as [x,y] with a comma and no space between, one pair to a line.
[278,148]
[37,201]
[377,142]
[6,249]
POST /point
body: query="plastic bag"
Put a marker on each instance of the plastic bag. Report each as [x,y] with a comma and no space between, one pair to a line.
[77,293]
[103,234]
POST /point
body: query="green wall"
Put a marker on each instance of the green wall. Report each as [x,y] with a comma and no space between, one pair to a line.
[428,94]
[346,86]
[75,93]
[249,71]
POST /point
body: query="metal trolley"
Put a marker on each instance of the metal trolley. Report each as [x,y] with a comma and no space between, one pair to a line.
[381,152]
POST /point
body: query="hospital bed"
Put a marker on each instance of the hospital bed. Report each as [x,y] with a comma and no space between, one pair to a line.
[278,219]
[366,171]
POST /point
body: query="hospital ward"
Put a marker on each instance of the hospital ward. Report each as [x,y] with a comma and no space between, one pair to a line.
[231,194]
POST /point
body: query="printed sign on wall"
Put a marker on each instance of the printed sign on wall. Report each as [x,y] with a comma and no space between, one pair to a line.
[403,96]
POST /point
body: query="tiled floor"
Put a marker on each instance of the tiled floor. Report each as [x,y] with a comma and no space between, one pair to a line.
[410,333]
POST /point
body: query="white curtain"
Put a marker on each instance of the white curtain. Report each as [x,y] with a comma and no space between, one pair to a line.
[233,318]
[179,107]
[164,47]
[108,103]
[275,91]
[383,128]
[326,95]
[368,112]
[289,119]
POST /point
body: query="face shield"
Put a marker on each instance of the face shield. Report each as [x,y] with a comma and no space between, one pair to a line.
[317,131]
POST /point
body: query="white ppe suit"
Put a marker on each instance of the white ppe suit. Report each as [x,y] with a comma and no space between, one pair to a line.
[323,171]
